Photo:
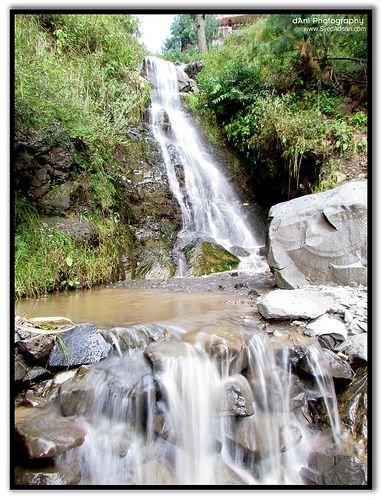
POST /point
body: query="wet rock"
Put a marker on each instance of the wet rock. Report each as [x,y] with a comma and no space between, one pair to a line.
[62,377]
[325,325]
[80,346]
[225,344]
[21,367]
[336,367]
[155,263]
[30,399]
[242,432]
[239,251]
[320,238]
[61,475]
[289,437]
[157,472]
[226,476]
[294,304]
[239,399]
[37,343]
[76,396]
[160,353]
[336,470]
[353,408]
[44,434]
[137,336]
[35,373]
[206,257]
[355,347]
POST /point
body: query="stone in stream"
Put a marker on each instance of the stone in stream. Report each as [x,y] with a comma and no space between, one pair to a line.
[21,367]
[35,343]
[353,408]
[43,434]
[61,475]
[294,304]
[355,347]
[336,366]
[137,336]
[226,344]
[320,238]
[159,353]
[239,399]
[76,396]
[82,345]
[157,472]
[325,325]
[334,470]
[35,373]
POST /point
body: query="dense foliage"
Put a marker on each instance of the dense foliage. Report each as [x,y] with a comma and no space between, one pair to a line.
[77,83]
[288,99]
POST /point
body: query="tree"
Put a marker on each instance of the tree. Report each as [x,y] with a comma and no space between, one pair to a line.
[202,41]
[191,31]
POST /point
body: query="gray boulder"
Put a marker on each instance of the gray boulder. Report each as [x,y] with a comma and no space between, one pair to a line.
[294,304]
[320,238]
[81,346]
[44,434]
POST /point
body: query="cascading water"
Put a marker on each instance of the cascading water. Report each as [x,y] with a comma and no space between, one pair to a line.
[217,404]
[208,204]
[179,412]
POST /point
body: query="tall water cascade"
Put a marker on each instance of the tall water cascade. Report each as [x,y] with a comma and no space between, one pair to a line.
[208,204]
[212,398]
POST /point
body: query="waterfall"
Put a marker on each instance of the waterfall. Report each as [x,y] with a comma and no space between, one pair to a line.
[208,204]
[171,420]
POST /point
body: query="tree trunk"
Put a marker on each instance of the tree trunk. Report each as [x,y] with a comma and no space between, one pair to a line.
[202,42]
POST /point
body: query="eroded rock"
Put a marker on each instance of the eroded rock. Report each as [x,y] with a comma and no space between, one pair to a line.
[320,238]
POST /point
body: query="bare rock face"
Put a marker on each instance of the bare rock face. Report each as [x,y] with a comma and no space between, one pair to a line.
[65,474]
[320,238]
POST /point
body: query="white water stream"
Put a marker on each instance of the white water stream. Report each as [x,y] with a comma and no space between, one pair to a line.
[173,420]
[209,206]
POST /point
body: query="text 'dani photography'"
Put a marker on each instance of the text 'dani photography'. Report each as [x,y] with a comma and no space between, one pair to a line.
[189,249]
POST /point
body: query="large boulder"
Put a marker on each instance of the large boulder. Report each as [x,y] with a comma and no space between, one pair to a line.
[206,257]
[82,345]
[320,238]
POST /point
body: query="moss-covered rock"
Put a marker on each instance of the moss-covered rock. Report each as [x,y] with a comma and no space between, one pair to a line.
[206,257]
[155,262]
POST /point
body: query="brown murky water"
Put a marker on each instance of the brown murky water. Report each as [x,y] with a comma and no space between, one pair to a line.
[109,307]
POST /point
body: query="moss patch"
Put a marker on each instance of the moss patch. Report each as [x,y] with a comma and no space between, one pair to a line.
[204,257]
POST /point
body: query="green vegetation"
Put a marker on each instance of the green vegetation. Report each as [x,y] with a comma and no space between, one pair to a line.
[204,257]
[287,101]
[182,45]
[77,83]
